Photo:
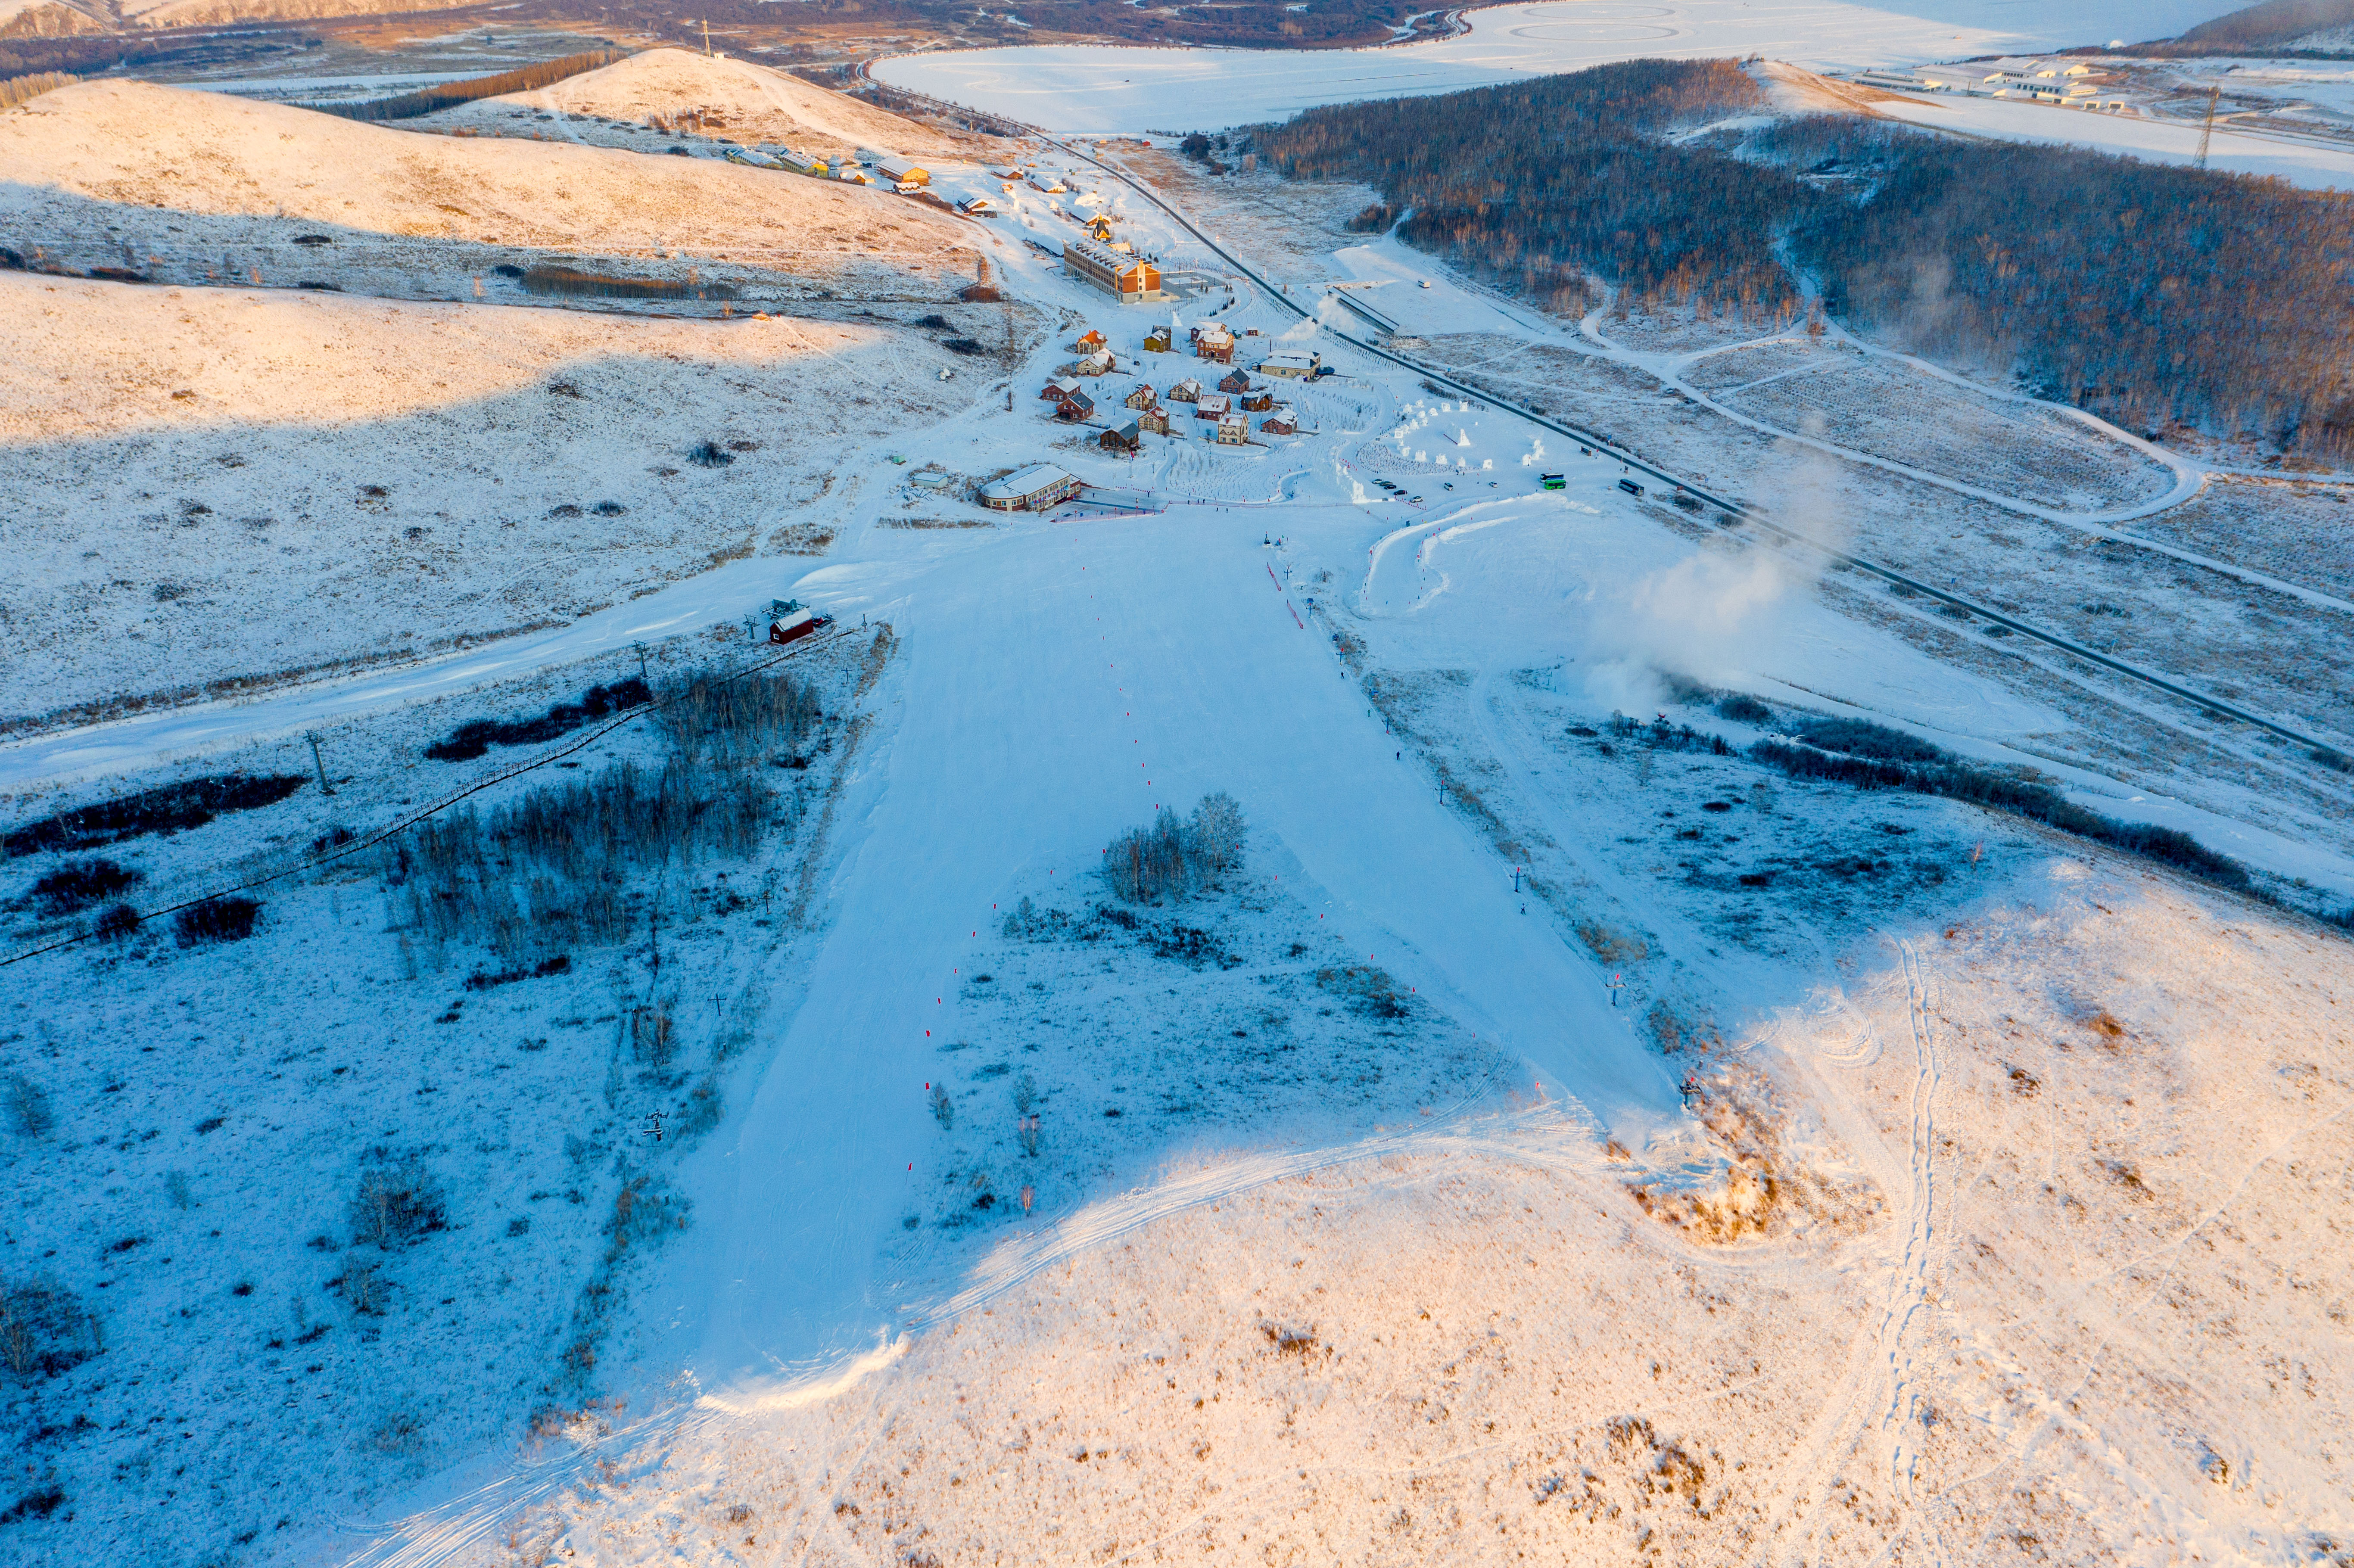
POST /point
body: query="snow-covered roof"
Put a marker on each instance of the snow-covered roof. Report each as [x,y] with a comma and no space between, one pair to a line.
[1109,260]
[1024,482]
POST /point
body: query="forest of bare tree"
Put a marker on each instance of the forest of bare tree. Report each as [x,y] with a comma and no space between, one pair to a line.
[2266,25]
[1538,184]
[2150,293]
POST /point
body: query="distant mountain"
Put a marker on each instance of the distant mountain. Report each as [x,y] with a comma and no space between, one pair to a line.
[2271,24]
[66,18]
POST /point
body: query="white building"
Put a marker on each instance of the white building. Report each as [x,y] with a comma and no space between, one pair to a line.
[1032,489]
[1292,363]
[1902,81]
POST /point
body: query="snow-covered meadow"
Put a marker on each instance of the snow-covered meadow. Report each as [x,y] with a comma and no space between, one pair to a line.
[394,479]
[2012,1295]
[311,1214]
[2315,164]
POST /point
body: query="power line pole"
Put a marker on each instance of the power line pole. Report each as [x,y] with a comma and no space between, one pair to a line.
[2207,132]
[706,37]
[312,736]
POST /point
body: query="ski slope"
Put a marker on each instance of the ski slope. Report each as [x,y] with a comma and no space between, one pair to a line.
[1046,694]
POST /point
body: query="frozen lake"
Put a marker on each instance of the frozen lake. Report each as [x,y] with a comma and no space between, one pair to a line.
[1091,88]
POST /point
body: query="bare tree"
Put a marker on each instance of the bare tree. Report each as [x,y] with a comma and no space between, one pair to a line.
[1217,834]
[1169,859]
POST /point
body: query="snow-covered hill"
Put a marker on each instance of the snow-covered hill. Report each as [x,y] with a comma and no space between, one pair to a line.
[732,100]
[394,479]
[134,145]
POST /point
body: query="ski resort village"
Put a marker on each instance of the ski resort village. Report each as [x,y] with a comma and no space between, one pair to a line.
[695,863]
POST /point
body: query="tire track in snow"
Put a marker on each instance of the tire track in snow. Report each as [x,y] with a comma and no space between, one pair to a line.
[1878,1390]
[1908,1296]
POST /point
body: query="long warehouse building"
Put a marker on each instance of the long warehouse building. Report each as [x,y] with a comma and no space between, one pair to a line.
[1130,278]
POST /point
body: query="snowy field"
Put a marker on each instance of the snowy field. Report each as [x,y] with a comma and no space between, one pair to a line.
[1099,88]
[395,479]
[2300,162]
[2026,1311]
[185,445]
[350,1198]
[1572,1136]
[2300,531]
[1901,412]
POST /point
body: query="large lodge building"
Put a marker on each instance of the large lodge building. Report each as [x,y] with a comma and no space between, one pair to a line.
[1130,278]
